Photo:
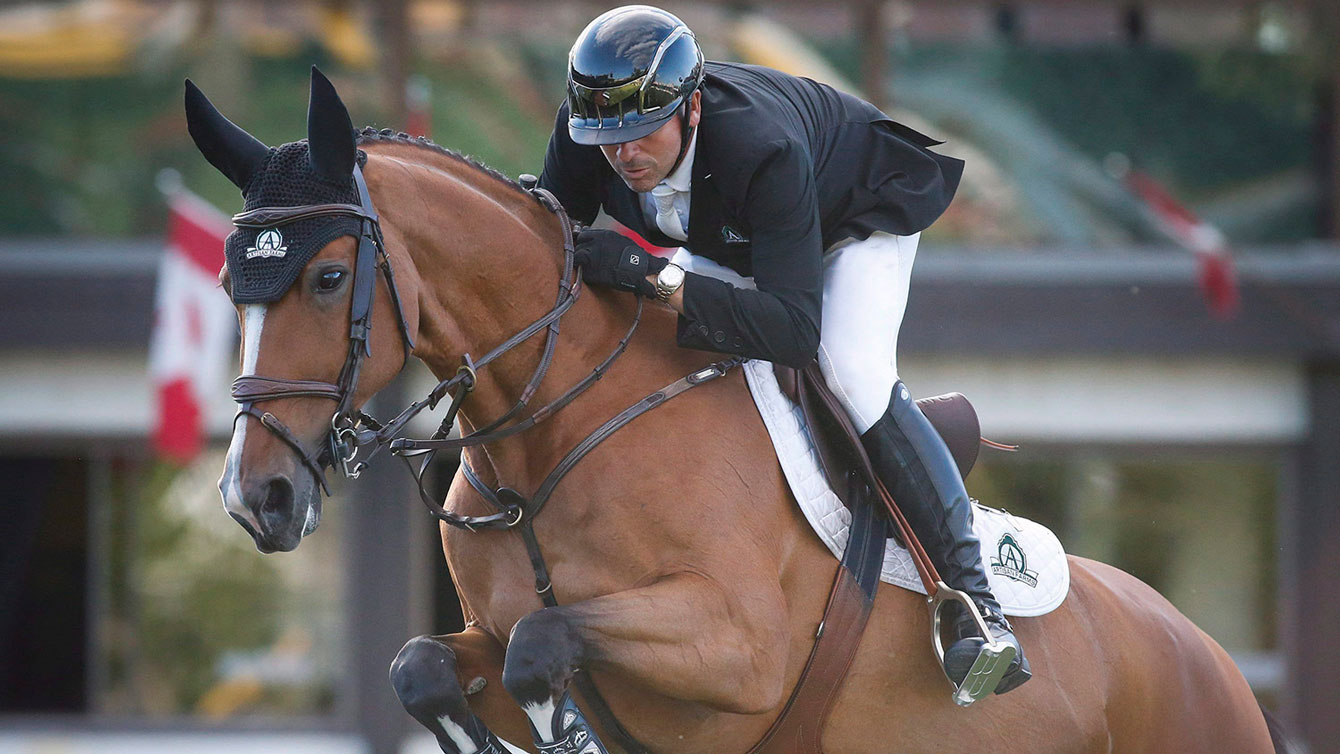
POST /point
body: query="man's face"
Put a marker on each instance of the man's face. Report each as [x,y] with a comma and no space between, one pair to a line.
[647,161]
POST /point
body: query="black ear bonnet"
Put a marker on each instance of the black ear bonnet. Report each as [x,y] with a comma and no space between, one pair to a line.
[264,262]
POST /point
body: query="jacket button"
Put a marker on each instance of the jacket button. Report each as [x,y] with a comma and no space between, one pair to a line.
[719,337]
[702,330]
[738,342]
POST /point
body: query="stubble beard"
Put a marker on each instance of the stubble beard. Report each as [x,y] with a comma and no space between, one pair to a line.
[645,182]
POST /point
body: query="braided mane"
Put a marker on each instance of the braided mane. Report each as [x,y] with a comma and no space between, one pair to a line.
[387,136]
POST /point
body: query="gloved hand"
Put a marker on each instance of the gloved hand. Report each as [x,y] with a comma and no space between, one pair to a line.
[611,259]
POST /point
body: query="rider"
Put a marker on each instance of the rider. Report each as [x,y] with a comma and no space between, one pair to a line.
[814,194]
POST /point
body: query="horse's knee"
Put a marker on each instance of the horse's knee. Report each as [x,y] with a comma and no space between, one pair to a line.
[542,655]
[424,677]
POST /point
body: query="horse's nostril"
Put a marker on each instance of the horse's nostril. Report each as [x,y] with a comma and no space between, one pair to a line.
[278,498]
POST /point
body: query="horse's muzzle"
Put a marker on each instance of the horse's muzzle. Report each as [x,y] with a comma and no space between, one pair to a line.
[284,512]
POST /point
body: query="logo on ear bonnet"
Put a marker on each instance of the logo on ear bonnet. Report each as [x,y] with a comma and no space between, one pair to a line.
[268,244]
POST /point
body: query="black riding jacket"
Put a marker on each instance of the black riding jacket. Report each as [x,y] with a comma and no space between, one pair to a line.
[784,168]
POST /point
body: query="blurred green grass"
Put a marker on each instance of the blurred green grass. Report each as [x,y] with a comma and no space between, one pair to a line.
[80,156]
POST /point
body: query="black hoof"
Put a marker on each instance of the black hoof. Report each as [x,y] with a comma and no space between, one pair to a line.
[424,678]
[542,655]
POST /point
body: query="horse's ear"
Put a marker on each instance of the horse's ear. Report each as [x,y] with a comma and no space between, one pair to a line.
[330,133]
[236,153]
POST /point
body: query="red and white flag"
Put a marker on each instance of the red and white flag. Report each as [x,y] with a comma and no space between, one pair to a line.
[194,325]
[1216,273]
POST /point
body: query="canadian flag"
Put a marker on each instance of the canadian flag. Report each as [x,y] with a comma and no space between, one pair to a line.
[194,325]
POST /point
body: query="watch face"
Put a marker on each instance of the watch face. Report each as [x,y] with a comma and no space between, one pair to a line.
[668,281]
[672,276]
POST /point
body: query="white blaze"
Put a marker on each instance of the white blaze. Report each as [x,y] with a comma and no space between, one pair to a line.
[457,735]
[542,719]
[230,485]
[462,740]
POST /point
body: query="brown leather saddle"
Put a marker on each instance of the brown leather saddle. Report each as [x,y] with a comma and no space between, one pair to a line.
[799,729]
[951,414]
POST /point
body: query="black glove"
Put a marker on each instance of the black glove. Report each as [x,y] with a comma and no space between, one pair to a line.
[611,259]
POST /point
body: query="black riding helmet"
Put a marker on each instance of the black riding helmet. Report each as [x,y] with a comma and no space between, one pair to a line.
[630,70]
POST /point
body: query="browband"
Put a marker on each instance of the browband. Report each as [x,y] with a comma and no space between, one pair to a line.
[267,217]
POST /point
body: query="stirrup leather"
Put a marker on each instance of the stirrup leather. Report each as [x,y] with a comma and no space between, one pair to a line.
[992,661]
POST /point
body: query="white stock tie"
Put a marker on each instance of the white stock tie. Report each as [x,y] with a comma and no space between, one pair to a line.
[667,219]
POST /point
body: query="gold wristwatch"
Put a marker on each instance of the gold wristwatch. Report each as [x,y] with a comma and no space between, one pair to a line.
[668,281]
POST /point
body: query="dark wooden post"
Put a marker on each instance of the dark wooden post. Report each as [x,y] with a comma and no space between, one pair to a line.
[384,528]
[387,601]
[1328,29]
[1310,640]
[387,596]
[397,55]
[1134,24]
[873,33]
[1006,21]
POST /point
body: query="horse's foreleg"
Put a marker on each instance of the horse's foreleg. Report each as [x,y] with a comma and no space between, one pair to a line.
[433,674]
[684,636]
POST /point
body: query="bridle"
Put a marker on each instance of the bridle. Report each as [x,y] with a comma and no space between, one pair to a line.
[352,429]
[342,440]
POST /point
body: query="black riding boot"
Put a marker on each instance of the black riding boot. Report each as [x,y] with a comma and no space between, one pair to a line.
[916,466]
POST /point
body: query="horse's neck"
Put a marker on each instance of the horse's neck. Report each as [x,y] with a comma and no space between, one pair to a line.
[488,262]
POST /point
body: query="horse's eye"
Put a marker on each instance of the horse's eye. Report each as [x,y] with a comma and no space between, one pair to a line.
[330,280]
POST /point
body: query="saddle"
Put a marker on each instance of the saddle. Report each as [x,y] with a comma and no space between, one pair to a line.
[951,414]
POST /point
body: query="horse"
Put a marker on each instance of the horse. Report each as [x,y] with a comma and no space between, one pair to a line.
[688,585]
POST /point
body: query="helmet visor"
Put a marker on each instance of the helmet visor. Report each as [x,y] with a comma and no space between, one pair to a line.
[625,112]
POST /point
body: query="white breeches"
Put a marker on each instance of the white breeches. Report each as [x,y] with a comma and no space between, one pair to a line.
[865,295]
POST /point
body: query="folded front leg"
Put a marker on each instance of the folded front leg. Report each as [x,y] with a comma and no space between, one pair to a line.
[687,637]
[433,675]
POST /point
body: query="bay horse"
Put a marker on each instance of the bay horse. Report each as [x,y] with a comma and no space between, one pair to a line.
[689,585]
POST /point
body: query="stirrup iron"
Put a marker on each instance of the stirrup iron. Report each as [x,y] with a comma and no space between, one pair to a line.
[992,661]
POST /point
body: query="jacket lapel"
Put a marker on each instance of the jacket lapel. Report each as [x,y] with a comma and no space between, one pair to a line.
[704,204]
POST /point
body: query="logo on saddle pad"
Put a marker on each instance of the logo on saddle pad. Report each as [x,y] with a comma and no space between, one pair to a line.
[1011,562]
[268,244]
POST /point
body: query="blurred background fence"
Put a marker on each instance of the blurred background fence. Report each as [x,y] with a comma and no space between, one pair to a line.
[1139,282]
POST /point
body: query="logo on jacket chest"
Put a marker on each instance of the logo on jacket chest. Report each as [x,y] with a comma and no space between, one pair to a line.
[731,235]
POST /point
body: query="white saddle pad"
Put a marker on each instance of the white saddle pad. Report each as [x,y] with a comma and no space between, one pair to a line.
[1024,560]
